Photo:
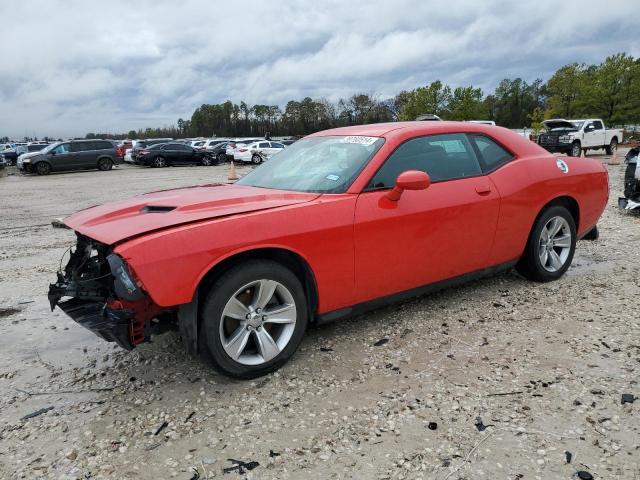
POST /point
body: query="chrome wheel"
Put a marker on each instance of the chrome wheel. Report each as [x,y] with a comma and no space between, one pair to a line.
[159,162]
[554,245]
[258,322]
[576,150]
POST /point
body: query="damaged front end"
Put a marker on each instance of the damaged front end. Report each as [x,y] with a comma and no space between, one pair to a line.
[97,290]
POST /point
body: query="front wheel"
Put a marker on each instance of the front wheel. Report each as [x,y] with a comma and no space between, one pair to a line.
[206,161]
[576,150]
[253,319]
[256,159]
[550,247]
[43,168]
[222,157]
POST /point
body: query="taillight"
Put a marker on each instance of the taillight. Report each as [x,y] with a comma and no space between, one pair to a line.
[242,150]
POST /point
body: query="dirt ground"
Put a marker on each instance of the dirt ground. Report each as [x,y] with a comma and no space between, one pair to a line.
[498,379]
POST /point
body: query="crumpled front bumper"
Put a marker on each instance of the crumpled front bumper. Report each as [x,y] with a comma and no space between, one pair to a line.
[110,324]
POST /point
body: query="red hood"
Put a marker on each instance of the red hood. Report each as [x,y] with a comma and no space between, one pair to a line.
[117,221]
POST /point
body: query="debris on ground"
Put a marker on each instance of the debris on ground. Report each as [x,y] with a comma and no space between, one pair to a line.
[37,413]
[240,466]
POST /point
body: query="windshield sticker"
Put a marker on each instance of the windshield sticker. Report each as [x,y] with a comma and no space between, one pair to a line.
[333,177]
[359,140]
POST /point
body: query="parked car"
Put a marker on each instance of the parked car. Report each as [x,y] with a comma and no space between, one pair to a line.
[142,144]
[12,157]
[122,147]
[173,153]
[342,221]
[233,145]
[127,156]
[211,143]
[574,136]
[257,152]
[219,151]
[72,155]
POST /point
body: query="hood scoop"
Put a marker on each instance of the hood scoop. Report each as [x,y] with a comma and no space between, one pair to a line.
[156,209]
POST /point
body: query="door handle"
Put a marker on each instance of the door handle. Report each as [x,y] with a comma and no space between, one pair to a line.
[484,189]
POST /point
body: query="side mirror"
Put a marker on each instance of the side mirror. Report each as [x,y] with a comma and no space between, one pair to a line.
[409,180]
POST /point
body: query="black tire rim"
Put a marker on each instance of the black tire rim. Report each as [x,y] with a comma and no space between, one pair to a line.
[221,157]
[42,168]
[206,161]
[159,162]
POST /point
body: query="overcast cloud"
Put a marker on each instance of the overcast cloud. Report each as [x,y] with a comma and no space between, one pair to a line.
[72,67]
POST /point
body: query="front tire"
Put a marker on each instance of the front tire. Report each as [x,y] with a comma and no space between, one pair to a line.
[206,161]
[256,159]
[576,150]
[253,319]
[43,168]
[222,157]
[551,245]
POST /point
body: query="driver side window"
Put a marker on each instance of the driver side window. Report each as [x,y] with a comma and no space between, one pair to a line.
[64,148]
[442,157]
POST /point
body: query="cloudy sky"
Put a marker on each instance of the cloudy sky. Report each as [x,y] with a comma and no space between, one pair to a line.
[72,67]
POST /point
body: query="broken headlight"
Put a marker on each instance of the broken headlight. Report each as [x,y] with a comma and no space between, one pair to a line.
[564,139]
[124,285]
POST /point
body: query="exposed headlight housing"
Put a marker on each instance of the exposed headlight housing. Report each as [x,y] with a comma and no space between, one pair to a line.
[124,285]
[565,138]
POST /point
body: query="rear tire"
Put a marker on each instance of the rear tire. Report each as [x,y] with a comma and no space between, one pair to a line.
[105,164]
[241,346]
[222,157]
[159,162]
[612,147]
[551,245]
[206,161]
[43,168]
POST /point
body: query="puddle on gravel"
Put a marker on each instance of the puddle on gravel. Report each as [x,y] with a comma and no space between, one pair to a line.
[7,312]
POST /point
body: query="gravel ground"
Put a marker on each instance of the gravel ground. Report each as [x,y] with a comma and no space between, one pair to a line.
[498,379]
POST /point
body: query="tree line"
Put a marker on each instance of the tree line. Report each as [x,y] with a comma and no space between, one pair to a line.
[609,90]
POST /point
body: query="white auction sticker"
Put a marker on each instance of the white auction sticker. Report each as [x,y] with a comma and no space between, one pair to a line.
[360,140]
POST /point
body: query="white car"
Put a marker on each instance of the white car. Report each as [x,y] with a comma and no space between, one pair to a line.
[212,142]
[127,156]
[234,145]
[258,151]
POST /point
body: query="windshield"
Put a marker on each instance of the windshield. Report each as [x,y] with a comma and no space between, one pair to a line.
[316,164]
[578,125]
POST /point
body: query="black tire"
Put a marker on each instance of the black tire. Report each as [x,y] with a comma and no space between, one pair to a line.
[43,168]
[530,265]
[576,150]
[222,157]
[105,164]
[613,146]
[221,291]
[256,159]
[159,162]
[592,234]
[206,161]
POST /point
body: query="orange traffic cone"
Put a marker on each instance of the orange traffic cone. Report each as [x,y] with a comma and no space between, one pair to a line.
[233,175]
[614,157]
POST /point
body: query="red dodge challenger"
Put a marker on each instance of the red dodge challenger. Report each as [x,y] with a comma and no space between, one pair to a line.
[339,222]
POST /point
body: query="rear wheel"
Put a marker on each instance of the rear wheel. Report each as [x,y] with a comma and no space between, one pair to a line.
[253,319]
[43,168]
[222,157]
[104,164]
[206,161]
[159,162]
[550,247]
[612,147]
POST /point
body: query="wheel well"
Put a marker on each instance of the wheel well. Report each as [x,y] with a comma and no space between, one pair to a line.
[287,258]
[569,203]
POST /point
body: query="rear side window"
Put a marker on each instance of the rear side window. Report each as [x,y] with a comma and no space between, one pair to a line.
[443,157]
[103,145]
[81,146]
[492,155]
[264,145]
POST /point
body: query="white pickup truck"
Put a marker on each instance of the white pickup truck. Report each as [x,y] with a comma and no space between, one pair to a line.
[574,136]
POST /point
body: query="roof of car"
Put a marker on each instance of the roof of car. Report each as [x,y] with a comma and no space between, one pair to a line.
[393,128]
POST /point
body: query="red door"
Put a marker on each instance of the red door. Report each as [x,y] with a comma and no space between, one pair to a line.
[427,235]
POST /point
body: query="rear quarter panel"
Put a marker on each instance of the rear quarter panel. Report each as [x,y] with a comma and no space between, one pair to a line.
[527,184]
[171,263]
